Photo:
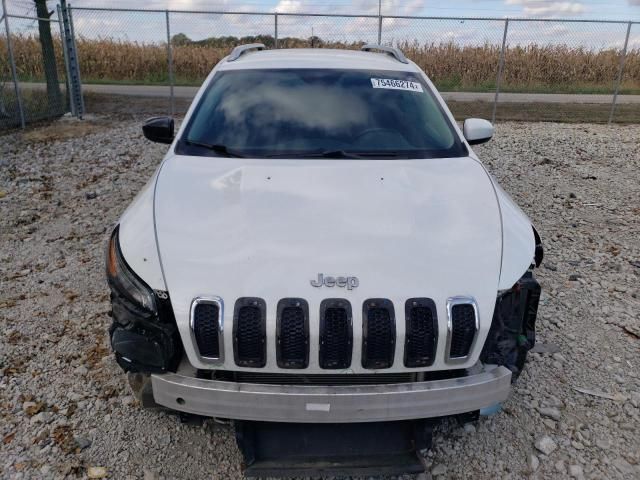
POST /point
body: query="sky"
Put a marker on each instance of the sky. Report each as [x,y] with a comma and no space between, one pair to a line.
[581,9]
[151,27]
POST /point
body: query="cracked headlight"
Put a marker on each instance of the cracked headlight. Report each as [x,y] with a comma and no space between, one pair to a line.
[124,282]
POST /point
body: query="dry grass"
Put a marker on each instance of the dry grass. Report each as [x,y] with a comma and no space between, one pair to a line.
[452,67]
[126,107]
[62,130]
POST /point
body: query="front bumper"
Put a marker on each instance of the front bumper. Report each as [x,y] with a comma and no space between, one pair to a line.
[334,404]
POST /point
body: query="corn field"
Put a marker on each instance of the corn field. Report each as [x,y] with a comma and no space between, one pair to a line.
[451,66]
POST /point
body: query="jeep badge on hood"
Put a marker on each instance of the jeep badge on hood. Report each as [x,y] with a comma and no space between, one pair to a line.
[349,282]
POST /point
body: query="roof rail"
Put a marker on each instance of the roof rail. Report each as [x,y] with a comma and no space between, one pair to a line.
[240,49]
[395,52]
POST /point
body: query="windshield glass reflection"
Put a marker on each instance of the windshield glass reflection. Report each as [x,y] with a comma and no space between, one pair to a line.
[308,112]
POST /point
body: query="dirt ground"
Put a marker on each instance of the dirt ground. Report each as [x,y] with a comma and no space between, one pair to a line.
[65,408]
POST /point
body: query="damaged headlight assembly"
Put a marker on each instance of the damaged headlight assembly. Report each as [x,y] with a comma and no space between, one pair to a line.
[143,334]
[512,333]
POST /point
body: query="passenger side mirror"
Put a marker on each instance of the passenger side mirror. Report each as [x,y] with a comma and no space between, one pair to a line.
[477,131]
[159,129]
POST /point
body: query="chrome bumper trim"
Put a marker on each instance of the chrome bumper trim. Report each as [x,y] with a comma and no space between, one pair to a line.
[335,404]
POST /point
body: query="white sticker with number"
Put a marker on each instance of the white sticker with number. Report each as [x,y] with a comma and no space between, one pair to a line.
[393,84]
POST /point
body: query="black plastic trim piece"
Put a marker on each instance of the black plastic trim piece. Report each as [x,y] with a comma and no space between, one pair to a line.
[260,360]
[513,327]
[345,361]
[424,361]
[280,337]
[539,252]
[367,308]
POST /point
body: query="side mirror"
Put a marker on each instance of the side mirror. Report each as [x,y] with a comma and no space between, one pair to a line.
[159,129]
[477,131]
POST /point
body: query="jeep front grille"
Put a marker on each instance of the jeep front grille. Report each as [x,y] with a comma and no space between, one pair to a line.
[378,334]
[206,328]
[292,333]
[421,335]
[462,326]
[249,332]
[336,334]
[293,324]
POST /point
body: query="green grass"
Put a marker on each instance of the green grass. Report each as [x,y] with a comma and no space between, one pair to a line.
[448,85]
[140,107]
[546,112]
[443,86]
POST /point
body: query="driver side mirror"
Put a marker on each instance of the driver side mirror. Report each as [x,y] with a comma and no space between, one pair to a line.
[159,129]
[477,131]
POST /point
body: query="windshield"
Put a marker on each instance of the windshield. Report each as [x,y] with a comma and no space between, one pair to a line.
[305,113]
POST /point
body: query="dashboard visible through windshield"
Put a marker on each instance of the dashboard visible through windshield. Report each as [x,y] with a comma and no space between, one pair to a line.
[308,113]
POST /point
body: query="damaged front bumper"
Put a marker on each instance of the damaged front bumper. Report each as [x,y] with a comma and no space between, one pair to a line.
[332,404]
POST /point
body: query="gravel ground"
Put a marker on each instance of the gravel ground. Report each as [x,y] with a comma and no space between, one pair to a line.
[65,407]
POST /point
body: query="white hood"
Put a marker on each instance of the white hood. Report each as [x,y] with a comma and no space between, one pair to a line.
[234,227]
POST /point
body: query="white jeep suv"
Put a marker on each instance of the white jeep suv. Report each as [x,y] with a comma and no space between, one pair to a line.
[321,255]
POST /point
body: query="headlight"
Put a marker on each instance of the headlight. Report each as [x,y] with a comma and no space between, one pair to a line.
[124,282]
[512,333]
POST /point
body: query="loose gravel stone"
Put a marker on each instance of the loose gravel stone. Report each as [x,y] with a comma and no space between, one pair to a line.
[550,412]
[546,445]
[54,304]
[533,462]
[576,472]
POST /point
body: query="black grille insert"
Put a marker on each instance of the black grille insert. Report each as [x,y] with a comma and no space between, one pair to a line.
[292,333]
[244,376]
[249,332]
[206,328]
[421,332]
[463,329]
[378,333]
[336,333]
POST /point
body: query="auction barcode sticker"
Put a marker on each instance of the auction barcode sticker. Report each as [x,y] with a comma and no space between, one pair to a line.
[393,84]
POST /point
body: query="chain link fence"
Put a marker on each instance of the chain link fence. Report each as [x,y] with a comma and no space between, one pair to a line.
[32,69]
[498,68]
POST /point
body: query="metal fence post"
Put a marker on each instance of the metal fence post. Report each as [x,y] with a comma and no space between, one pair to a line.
[12,62]
[623,57]
[172,106]
[65,56]
[500,69]
[379,29]
[275,37]
[77,62]
[71,53]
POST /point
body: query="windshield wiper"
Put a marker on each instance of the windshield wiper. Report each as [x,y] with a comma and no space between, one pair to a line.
[219,149]
[337,154]
[315,154]
[381,154]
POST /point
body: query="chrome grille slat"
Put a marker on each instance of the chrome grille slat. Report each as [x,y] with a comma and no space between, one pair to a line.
[463,325]
[206,327]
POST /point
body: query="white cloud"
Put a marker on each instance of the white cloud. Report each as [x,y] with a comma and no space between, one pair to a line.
[541,8]
[289,6]
[365,7]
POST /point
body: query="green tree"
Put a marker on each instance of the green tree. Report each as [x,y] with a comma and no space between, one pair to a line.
[180,39]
